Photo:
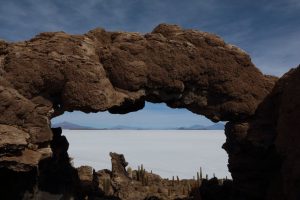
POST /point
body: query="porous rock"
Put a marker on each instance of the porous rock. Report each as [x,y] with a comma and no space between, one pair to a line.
[118,71]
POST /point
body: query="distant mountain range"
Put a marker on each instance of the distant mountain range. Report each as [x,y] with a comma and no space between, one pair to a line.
[71,126]
[217,126]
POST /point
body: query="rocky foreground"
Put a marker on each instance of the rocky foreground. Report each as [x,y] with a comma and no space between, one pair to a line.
[119,182]
[118,72]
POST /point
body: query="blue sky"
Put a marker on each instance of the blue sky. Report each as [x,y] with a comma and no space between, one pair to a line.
[268,30]
[152,116]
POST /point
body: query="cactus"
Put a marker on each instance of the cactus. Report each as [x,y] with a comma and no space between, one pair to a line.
[141,175]
[106,185]
[138,174]
[188,187]
[214,175]
[201,177]
[146,181]
[129,171]
[206,176]
[173,181]
[177,179]
[197,183]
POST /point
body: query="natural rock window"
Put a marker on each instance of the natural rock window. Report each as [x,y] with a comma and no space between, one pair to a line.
[170,142]
[119,72]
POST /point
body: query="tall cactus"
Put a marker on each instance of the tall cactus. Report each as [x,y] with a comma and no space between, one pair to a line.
[173,181]
[129,171]
[138,174]
[201,175]
[188,187]
[141,175]
[106,185]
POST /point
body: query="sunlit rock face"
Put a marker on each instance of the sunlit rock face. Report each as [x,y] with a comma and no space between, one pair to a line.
[119,71]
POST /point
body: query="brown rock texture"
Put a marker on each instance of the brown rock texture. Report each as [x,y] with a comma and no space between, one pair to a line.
[264,149]
[288,137]
[119,71]
[144,185]
[118,168]
[284,104]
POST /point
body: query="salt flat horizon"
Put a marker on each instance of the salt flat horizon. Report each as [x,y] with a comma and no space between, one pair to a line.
[166,152]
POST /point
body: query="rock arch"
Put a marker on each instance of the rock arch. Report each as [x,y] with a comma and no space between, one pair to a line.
[119,71]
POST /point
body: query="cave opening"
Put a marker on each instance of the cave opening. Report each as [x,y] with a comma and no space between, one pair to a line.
[170,142]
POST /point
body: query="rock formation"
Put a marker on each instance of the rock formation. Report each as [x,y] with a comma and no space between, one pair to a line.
[118,71]
[283,115]
[143,185]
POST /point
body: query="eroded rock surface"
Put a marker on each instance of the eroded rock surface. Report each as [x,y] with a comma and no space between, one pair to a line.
[118,71]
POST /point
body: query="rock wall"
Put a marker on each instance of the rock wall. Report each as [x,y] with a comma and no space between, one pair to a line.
[285,99]
[118,71]
[264,149]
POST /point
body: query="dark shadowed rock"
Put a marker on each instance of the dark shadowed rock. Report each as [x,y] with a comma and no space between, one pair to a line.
[285,99]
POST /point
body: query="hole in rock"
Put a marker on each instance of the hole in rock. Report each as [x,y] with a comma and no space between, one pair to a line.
[170,142]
